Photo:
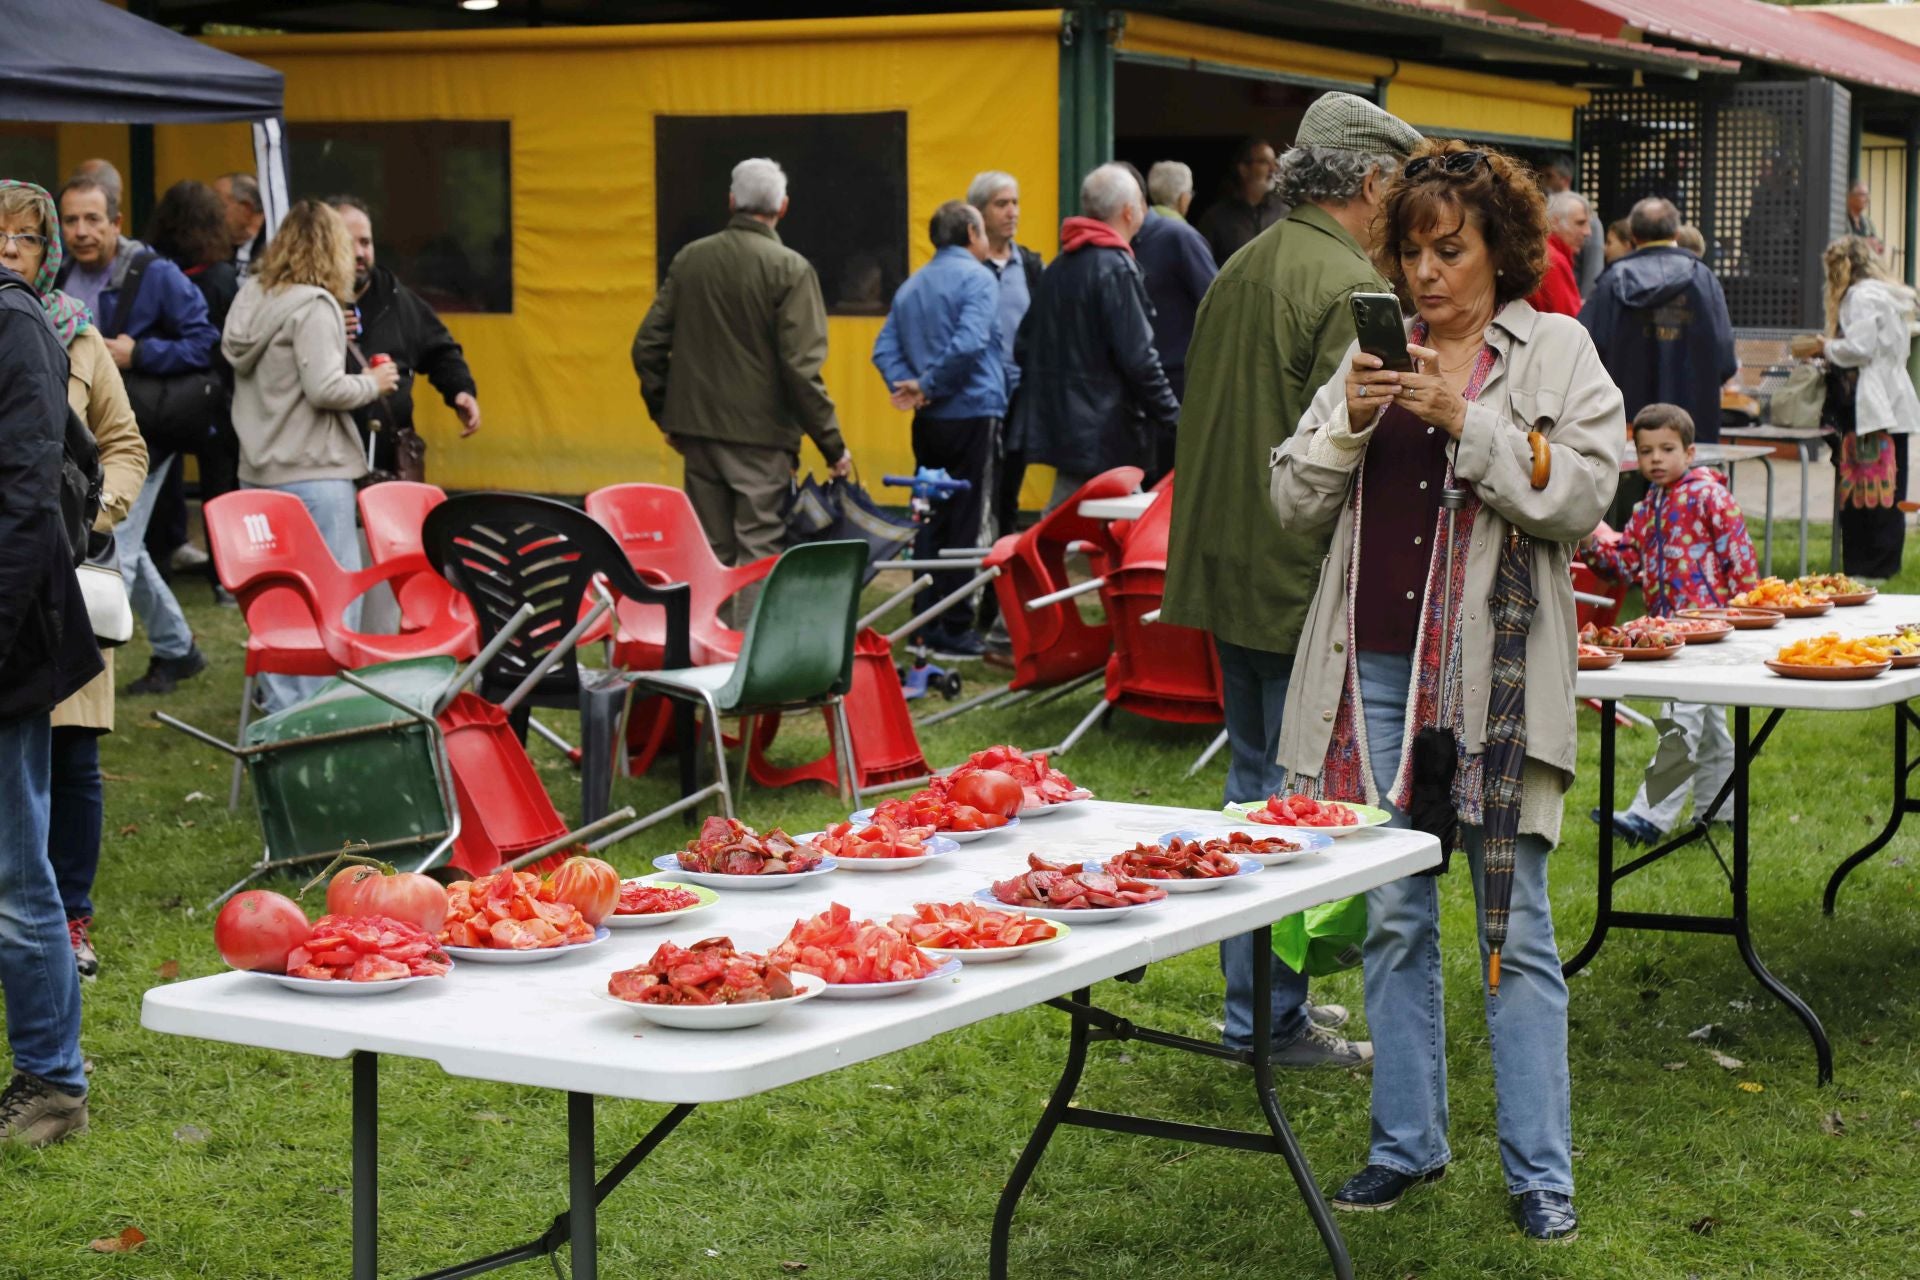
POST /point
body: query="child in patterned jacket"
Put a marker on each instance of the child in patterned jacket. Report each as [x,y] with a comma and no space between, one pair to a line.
[1686,546]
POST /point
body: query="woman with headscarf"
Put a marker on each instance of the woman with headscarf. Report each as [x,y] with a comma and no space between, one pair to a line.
[30,248]
[1870,402]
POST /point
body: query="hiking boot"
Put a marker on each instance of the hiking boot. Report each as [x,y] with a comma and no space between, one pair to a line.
[1319,1047]
[1377,1188]
[164,674]
[34,1113]
[961,646]
[79,934]
[1331,1016]
[224,598]
[1546,1215]
[186,557]
[1631,830]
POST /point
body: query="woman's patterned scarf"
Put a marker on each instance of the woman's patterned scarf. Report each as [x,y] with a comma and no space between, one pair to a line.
[68,315]
[1347,774]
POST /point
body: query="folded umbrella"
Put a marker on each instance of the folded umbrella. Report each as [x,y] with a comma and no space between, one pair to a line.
[1511,609]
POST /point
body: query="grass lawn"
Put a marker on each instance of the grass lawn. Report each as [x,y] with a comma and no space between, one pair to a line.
[235,1162]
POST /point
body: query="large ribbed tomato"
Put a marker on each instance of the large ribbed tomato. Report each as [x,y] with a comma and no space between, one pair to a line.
[405,895]
[257,929]
[590,885]
[989,791]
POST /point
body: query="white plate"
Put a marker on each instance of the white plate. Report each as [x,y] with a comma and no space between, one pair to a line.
[670,864]
[707,899]
[958,837]
[340,987]
[1311,842]
[720,1017]
[1369,817]
[1248,867]
[1042,810]
[875,990]
[987,955]
[533,955]
[1075,915]
[937,847]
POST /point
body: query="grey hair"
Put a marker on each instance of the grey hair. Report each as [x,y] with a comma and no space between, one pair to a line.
[1168,180]
[1560,206]
[1108,190]
[759,186]
[246,190]
[1653,219]
[1327,175]
[952,223]
[103,172]
[985,186]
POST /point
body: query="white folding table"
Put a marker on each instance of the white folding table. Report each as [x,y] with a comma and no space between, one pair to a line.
[1126,507]
[586,1047]
[1732,673]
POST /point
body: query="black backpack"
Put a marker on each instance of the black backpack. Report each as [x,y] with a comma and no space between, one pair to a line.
[81,480]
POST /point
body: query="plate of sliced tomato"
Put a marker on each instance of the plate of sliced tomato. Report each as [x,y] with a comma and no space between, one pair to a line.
[669,864]
[966,817]
[973,934]
[352,986]
[1269,849]
[362,956]
[879,845]
[527,955]
[1336,818]
[645,902]
[859,959]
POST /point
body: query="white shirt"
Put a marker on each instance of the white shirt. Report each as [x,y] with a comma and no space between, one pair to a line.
[1875,339]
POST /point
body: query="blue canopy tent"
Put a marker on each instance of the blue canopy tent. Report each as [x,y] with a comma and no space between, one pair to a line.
[86,61]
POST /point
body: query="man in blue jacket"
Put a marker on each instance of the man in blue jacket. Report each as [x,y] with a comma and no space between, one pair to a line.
[163,343]
[1659,320]
[942,355]
[1179,267]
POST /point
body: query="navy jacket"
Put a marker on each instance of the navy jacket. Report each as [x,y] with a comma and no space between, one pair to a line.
[944,330]
[1659,321]
[47,649]
[1179,267]
[169,325]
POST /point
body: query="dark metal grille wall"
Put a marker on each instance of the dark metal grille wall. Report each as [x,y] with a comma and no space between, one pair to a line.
[1761,171]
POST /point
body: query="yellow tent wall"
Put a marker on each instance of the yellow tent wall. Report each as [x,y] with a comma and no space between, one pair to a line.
[561,404]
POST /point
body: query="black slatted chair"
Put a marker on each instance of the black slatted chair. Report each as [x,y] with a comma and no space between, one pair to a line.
[505,550]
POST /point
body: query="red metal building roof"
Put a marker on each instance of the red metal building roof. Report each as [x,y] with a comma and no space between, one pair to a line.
[1605,47]
[1813,42]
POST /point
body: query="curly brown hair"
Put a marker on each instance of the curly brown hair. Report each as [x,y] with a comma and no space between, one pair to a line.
[1501,197]
[189,225]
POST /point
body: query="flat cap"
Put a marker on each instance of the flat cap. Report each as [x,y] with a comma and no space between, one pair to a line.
[1343,122]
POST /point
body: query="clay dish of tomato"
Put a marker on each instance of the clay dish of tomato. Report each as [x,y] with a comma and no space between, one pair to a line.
[955,834]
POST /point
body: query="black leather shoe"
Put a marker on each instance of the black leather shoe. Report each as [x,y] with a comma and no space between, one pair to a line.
[1546,1215]
[1377,1187]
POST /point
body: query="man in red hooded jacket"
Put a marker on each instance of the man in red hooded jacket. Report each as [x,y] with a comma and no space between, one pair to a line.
[1091,382]
[1570,224]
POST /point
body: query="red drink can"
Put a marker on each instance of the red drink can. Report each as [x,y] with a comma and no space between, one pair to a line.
[376,361]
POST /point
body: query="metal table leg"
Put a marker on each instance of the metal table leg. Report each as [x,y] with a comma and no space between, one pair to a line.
[1766,460]
[1903,768]
[582,1199]
[1805,450]
[1603,907]
[366,1166]
[1089,1023]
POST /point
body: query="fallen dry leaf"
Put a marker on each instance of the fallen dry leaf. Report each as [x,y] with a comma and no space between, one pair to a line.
[1703,1226]
[787,1264]
[191,1133]
[167,970]
[1869,1041]
[129,1239]
[1858,1213]
[1725,1060]
[1833,1123]
[195,797]
[1673,1066]
[1701,1033]
[1752,1086]
[131,829]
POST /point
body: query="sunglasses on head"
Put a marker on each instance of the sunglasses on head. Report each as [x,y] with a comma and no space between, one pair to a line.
[1455,164]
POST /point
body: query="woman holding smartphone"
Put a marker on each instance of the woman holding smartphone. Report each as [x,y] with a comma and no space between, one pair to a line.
[1515,409]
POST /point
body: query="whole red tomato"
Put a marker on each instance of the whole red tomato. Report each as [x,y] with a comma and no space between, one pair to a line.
[406,895]
[590,885]
[256,930]
[989,791]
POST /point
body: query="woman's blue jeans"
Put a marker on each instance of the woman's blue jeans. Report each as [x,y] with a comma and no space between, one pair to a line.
[37,974]
[1526,1022]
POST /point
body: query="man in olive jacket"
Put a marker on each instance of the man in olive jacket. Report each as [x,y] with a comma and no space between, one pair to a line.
[729,361]
[1271,331]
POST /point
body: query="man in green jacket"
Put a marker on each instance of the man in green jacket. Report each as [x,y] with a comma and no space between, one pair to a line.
[729,361]
[1272,330]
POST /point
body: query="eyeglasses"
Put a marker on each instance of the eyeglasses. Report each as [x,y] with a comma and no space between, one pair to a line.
[1455,164]
[27,240]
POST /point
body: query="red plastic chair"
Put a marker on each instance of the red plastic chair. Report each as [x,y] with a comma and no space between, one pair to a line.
[1590,583]
[661,536]
[293,594]
[1054,644]
[391,515]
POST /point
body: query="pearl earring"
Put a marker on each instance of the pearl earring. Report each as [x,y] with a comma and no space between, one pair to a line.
[1499,271]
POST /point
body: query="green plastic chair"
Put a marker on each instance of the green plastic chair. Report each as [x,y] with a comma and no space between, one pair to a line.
[797,654]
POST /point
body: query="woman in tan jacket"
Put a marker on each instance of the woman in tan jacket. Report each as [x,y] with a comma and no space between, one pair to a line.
[1514,410]
[31,249]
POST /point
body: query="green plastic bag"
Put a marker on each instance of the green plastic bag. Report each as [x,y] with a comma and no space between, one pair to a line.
[1323,939]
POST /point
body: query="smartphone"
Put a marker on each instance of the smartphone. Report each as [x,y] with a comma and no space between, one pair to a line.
[1382,333]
